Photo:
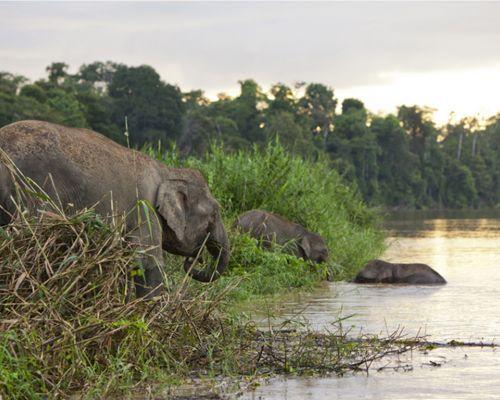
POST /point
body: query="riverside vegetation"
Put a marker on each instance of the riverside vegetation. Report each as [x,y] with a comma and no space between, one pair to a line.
[69,322]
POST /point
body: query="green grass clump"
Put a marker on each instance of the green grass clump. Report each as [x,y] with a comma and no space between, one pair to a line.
[262,273]
[18,368]
[304,191]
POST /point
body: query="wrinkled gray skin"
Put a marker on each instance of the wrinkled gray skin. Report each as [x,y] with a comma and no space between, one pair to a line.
[270,227]
[378,271]
[88,168]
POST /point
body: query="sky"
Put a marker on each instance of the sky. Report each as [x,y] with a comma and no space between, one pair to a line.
[444,55]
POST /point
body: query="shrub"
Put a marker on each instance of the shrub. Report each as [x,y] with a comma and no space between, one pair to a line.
[304,191]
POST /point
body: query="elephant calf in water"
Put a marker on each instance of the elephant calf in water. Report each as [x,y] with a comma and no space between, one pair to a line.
[378,271]
[82,168]
[270,227]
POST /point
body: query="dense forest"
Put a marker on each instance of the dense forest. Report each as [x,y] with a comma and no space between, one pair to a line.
[396,161]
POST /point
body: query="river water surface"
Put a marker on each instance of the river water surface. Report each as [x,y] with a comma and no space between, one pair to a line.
[464,249]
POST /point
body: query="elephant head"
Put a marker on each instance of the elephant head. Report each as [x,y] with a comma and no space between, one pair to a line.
[190,218]
[313,247]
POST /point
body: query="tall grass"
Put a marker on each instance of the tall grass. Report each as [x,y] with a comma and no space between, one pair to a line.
[68,317]
[305,191]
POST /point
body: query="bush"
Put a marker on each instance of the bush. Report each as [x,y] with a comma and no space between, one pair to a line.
[304,191]
[259,272]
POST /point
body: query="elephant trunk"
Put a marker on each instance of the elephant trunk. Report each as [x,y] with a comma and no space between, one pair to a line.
[218,247]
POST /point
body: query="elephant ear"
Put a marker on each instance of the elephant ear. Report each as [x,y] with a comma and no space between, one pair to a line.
[305,247]
[171,203]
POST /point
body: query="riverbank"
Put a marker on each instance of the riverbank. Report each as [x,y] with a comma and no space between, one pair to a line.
[75,329]
[400,357]
[69,323]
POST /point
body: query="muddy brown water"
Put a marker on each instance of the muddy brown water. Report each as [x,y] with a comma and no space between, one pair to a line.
[465,249]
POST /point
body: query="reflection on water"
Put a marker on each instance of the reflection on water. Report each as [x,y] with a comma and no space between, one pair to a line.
[445,228]
[464,374]
[466,251]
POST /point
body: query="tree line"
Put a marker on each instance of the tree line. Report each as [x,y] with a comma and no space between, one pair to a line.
[400,160]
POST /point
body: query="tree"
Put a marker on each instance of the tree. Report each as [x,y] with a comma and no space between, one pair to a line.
[246,111]
[399,177]
[460,190]
[472,147]
[489,148]
[403,161]
[195,99]
[352,104]
[200,131]
[65,109]
[99,74]
[283,99]
[152,107]
[8,90]
[417,123]
[17,102]
[318,104]
[291,135]
[98,110]
[354,150]
[57,71]
[10,84]
[34,91]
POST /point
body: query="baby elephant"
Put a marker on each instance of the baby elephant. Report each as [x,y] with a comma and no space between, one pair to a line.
[270,227]
[378,271]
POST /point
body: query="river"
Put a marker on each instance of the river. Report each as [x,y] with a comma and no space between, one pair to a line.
[465,249]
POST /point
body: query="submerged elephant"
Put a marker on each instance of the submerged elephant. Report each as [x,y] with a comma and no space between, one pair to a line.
[82,168]
[270,227]
[378,271]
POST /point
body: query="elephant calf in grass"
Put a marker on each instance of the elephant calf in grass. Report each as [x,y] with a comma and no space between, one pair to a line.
[270,228]
[81,168]
[378,271]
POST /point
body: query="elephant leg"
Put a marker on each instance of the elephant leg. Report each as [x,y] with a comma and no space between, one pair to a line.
[147,237]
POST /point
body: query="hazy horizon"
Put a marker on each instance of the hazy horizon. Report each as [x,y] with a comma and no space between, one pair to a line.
[441,55]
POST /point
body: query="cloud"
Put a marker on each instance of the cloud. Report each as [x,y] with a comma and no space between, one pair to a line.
[213,45]
[447,91]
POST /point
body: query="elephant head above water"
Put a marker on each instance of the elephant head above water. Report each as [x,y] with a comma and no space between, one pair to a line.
[378,271]
[83,168]
[269,227]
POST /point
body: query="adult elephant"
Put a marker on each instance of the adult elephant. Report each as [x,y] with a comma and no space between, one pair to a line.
[269,227]
[378,271]
[81,168]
